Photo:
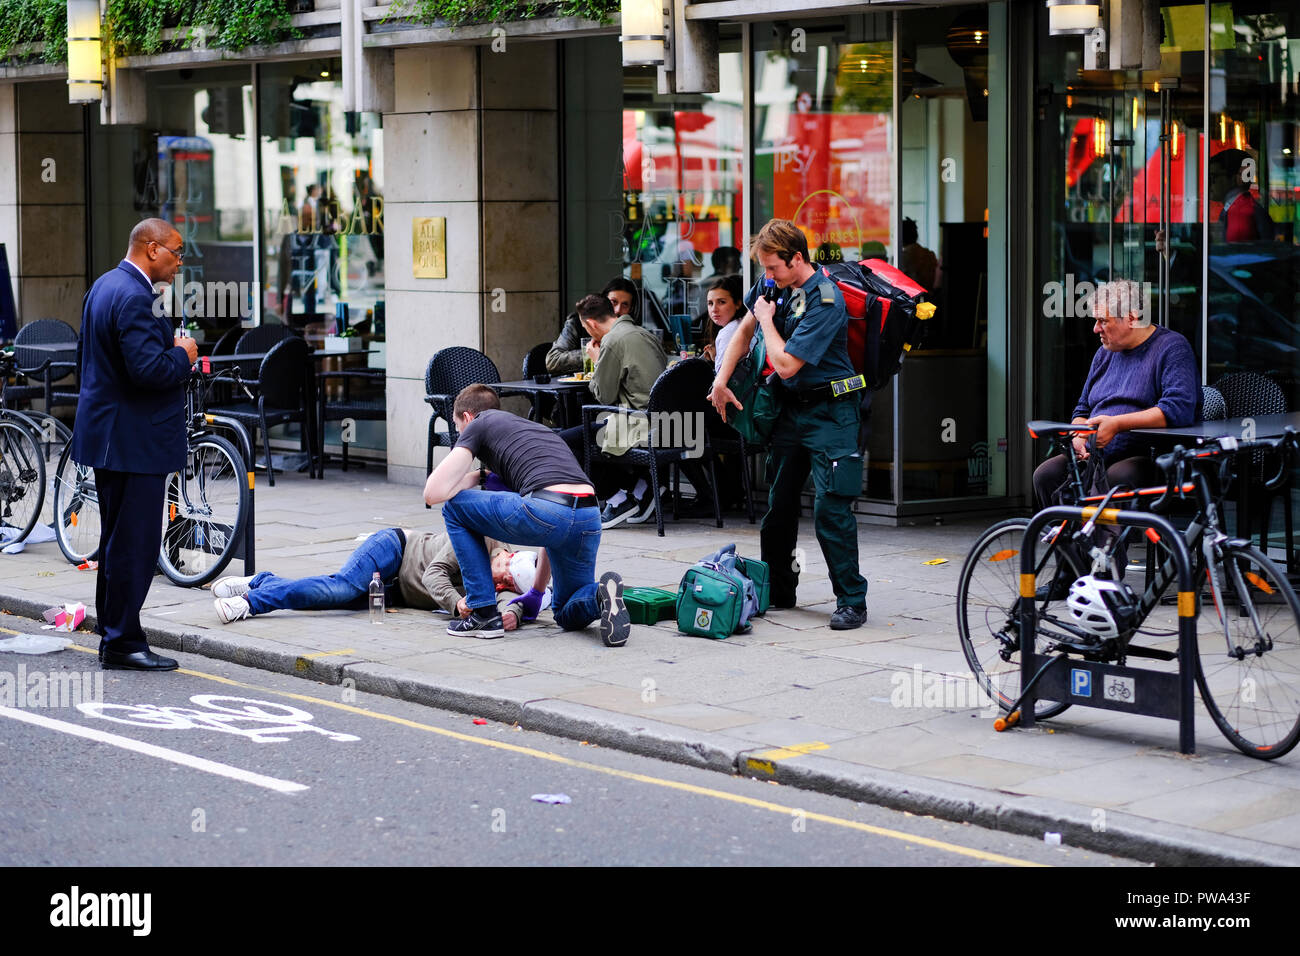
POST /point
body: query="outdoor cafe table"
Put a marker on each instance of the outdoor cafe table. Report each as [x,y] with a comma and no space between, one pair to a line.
[569,396]
[1256,426]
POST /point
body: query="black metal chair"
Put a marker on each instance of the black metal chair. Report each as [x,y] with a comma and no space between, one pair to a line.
[262,338]
[41,367]
[229,339]
[543,406]
[368,406]
[678,409]
[450,370]
[1247,395]
[284,395]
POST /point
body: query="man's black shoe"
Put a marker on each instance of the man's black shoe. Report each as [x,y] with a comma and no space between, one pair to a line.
[615,622]
[478,624]
[145,660]
[847,618]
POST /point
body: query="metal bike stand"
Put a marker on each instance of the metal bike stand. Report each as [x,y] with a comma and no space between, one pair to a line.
[1083,683]
[245,450]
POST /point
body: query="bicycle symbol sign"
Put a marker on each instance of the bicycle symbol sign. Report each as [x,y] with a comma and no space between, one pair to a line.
[1120,689]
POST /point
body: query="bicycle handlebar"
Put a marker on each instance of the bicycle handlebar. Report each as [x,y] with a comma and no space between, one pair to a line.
[1225,450]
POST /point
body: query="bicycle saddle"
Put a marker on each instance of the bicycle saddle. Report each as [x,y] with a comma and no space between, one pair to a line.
[1044,429]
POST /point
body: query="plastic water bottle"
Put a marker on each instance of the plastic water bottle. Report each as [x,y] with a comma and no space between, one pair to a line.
[376,600]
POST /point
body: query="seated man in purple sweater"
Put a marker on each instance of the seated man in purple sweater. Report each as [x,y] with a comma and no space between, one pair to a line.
[1143,376]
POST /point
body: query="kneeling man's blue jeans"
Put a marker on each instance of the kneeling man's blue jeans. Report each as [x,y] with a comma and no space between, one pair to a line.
[381,552]
[571,537]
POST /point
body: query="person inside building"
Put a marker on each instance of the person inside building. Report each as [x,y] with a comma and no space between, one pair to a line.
[565,356]
[418,569]
[917,262]
[805,331]
[1142,376]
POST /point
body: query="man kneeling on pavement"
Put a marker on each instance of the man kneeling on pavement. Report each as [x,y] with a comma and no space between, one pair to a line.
[555,509]
[418,569]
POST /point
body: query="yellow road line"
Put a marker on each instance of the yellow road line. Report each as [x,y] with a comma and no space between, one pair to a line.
[346,650]
[624,774]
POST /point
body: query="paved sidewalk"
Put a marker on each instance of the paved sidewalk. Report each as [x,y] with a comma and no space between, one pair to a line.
[794,700]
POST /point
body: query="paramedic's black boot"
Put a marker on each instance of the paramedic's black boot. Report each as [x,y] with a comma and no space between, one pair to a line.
[847,618]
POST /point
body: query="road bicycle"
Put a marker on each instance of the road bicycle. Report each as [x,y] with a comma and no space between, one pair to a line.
[205,505]
[22,466]
[1247,663]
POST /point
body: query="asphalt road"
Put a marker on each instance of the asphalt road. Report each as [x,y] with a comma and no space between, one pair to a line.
[225,765]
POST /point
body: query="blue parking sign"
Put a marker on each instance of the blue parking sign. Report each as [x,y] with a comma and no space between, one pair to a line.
[1080,682]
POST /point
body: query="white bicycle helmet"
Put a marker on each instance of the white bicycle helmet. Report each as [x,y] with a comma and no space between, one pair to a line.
[1093,602]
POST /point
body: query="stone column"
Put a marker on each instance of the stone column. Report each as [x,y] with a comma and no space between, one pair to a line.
[50,150]
[9,179]
[474,139]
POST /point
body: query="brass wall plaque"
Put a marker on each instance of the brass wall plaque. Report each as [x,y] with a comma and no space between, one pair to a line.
[429,247]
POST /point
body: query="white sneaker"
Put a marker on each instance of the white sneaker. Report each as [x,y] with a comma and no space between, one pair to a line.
[231,587]
[232,609]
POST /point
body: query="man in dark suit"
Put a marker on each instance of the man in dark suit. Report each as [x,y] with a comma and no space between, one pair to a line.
[131,429]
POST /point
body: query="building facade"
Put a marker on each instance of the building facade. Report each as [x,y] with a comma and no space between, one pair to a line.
[497,173]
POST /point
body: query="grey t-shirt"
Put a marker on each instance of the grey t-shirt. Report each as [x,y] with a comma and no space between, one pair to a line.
[527,455]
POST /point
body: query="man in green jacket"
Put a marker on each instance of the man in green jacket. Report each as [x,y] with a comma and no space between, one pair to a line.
[627,359]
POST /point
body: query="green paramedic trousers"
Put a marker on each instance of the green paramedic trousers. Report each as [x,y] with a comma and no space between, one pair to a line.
[821,437]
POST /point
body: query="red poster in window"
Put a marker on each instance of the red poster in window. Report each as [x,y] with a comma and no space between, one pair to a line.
[832,176]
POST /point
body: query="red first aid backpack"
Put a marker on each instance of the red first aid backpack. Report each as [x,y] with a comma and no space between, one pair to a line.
[886,316]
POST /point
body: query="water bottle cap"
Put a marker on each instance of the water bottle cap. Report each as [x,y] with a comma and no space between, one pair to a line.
[375,576]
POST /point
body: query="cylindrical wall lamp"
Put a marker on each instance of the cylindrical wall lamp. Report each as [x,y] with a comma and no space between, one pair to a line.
[85,65]
[643,32]
[1073,17]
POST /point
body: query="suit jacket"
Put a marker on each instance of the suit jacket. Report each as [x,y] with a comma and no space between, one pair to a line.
[131,413]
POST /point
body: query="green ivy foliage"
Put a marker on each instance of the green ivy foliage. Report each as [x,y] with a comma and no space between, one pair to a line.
[136,25]
[35,21]
[460,12]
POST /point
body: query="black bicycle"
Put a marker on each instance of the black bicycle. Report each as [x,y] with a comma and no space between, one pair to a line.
[1248,616]
[205,505]
[22,466]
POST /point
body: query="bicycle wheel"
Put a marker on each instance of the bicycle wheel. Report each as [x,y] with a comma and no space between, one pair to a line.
[76,509]
[22,480]
[1250,680]
[54,437]
[988,608]
[203,512]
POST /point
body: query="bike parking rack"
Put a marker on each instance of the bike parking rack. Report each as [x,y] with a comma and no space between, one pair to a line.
[246,451]
[1084,683]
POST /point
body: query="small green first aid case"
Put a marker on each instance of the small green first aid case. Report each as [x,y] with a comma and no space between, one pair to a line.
[649,605]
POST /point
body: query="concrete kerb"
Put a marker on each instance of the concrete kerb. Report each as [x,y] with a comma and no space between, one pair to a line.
[1124,834]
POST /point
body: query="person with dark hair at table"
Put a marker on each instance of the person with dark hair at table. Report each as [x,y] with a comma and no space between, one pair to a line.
[627,359]
[566,352]
[131,429]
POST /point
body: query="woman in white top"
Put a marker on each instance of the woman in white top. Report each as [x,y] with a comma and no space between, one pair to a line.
[724,300]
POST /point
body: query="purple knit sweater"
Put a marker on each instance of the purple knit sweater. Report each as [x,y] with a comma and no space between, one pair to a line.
[1161,372]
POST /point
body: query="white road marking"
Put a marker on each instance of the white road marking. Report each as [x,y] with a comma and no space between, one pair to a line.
[151,750]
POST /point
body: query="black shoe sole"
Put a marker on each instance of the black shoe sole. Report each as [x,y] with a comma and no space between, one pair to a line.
[483,633]
[615,622]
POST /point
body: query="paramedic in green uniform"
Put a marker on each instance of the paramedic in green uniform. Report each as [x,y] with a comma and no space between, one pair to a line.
[805,329]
